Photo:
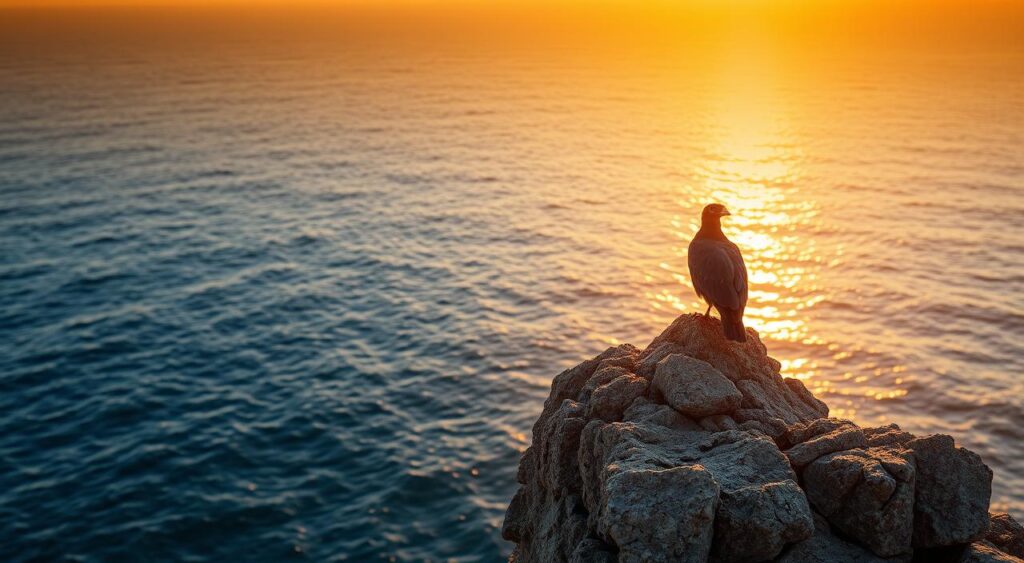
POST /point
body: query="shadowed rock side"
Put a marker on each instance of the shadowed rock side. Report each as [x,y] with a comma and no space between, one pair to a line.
[697,449]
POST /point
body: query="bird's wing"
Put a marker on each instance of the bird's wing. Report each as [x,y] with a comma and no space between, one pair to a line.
[714,274]
[740,276]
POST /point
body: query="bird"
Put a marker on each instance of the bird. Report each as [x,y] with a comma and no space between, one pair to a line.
[718,273]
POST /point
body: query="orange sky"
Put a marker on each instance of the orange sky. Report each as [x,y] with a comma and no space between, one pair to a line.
[888,19]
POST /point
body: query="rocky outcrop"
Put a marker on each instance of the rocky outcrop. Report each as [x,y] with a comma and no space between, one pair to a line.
[697,449]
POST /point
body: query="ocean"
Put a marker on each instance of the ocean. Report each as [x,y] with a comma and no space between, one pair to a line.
[274,291]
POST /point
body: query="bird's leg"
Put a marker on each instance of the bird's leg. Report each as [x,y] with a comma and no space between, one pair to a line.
[707,313]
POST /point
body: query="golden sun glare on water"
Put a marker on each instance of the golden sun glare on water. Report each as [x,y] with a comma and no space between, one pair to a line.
[753,163]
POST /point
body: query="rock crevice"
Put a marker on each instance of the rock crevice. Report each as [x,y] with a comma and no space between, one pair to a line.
[698,449]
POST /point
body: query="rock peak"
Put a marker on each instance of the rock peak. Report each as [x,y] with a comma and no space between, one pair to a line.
[697,448]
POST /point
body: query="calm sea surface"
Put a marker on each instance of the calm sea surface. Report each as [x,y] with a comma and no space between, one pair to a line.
[276,295]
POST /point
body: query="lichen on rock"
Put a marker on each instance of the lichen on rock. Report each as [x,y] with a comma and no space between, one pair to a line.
[697,449]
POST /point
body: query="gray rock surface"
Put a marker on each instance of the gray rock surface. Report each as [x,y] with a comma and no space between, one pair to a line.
[952,495]
[610,400]
[754,490]
[758,521]
[675,453]
[694,388]
[868,495]
[659,514]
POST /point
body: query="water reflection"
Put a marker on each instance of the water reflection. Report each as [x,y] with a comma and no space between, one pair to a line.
[752,164]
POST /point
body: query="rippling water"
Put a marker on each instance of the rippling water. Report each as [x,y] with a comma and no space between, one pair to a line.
[267,298]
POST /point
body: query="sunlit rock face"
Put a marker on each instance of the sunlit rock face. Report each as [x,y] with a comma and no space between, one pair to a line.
[697,449]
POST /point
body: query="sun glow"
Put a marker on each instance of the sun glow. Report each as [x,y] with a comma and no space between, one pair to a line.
[752,164]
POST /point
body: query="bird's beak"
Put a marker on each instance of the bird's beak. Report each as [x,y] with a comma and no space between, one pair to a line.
[725,212]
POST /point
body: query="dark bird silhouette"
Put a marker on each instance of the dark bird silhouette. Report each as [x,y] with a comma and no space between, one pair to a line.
[718,272]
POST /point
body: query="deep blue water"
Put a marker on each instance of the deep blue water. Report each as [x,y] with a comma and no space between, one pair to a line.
[262,301]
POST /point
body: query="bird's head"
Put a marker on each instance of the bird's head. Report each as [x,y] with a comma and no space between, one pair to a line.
[714,211]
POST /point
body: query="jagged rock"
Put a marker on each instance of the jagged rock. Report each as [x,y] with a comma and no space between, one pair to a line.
[1006,533]
[826,547]
[843,438]
[644,410]
[570,383]
[610,400]
[952,495]
[614,473]
[546,518]
[758,488]
[866,494]
[694,388]
[558,446]
[545,530]
[984,552]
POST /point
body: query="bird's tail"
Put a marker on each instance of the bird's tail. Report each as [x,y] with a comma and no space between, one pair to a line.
[732,325]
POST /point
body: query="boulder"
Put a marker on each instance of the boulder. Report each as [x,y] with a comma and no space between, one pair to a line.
[952,494]
[756,521]
[600,378]
[868,495]
[659,514]
[694,388]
